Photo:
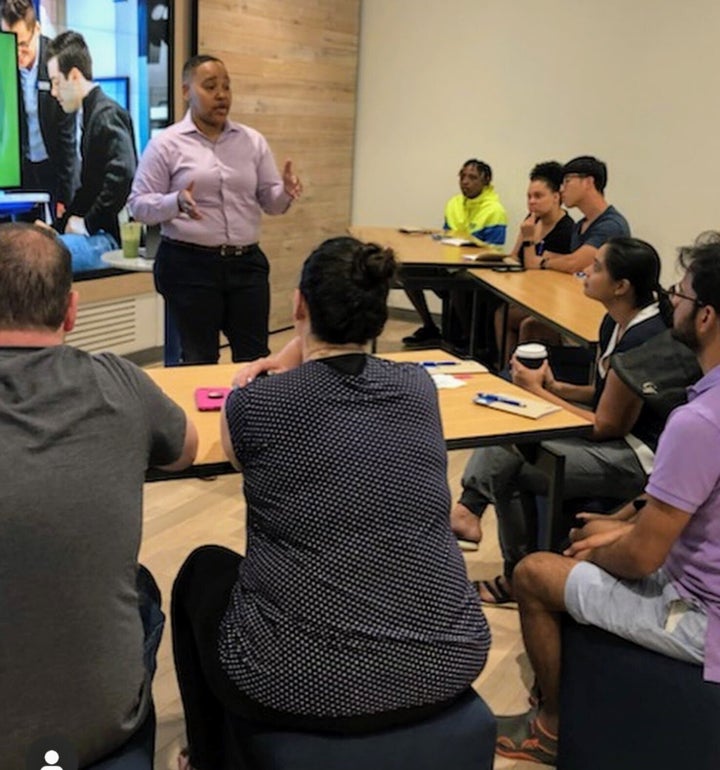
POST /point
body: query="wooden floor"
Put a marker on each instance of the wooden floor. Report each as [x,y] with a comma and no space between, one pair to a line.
[180,515]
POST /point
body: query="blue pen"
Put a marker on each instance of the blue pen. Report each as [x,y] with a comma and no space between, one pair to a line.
[438,363]
[491,398]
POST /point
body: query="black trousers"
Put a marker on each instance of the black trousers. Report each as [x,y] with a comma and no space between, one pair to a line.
[199,599]
[206,293]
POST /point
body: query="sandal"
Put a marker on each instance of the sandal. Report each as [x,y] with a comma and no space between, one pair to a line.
[497,590]
[523,737]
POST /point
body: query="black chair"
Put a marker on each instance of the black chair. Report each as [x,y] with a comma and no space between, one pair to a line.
[462,738]
[623,707]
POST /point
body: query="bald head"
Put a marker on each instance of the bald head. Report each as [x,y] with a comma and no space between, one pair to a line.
[35,279]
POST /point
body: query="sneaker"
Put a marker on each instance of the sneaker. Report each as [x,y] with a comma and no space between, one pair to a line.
[422,335]
[523,737]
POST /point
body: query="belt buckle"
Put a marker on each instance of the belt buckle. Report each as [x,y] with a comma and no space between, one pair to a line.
[228,250]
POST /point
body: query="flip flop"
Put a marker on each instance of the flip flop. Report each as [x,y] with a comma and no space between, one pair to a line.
[497,590]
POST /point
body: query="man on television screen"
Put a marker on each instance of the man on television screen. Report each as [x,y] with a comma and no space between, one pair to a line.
[107,151]
[49,157]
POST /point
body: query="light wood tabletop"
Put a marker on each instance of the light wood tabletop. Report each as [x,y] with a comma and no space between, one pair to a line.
[464,423]
[555,298]
[420,249]
[180,383]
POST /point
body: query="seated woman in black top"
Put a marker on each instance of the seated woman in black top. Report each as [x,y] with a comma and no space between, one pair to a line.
[351,610]
[547,227]
[617,457]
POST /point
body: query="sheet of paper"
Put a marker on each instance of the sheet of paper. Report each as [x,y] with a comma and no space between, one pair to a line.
[461,367]
[447,381]
[456,242]
[529,407]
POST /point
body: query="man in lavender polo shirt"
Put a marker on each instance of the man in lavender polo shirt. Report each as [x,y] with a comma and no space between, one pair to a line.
[207,180]
[651,572]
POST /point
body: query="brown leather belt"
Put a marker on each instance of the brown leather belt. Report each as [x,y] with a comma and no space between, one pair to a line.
[224,249]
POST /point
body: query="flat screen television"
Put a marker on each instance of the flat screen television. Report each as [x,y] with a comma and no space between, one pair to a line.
[117,89]
[10,143]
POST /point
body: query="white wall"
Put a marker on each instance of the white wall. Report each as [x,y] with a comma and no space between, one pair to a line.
[635,82]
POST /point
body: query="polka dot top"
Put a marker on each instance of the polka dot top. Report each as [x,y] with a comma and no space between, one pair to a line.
[353,597]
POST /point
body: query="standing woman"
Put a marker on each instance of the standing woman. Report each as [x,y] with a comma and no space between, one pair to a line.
[206,180]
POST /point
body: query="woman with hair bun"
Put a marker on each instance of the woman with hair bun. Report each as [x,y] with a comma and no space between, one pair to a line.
[322,624]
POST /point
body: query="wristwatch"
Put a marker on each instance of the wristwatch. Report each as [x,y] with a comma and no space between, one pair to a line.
[528,243]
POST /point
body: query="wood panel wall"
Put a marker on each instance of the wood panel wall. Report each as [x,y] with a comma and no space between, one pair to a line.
[293,65]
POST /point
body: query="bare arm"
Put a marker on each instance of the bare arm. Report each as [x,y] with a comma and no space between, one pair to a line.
[518,245]
[541,382]
[576,262]
[289,357]
[616,412]
[635,550]
[227,442]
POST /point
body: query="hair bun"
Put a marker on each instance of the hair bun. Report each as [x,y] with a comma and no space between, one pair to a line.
[373,265]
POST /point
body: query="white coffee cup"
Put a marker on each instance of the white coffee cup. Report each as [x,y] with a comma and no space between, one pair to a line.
[531,354]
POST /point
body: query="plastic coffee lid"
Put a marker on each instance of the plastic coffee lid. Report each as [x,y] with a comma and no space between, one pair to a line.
[531,350]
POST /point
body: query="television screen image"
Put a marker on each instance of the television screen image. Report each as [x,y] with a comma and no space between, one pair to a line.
[10,148]
[117,89]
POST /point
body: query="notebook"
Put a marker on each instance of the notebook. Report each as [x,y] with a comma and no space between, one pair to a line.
[520,405]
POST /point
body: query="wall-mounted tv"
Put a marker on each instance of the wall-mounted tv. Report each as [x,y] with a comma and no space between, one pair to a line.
[116,88]
[10,147]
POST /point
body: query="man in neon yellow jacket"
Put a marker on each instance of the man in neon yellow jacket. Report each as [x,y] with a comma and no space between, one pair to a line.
[476,211]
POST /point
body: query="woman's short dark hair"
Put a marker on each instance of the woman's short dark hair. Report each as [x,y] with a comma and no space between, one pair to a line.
[550,172]
[639,263]
[345,284]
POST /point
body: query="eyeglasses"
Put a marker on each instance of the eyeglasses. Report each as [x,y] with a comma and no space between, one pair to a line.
[674,291]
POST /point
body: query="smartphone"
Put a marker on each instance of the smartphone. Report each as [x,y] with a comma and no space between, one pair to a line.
[210,399]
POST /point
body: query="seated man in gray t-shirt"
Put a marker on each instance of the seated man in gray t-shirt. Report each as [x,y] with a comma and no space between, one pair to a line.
[77,433]
[583,187]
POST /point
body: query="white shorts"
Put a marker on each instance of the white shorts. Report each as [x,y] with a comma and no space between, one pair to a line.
[649,612]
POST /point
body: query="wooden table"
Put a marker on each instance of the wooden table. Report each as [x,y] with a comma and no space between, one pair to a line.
[555,298]
[415,251]
[422,250]
[139,264]
[465,424]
